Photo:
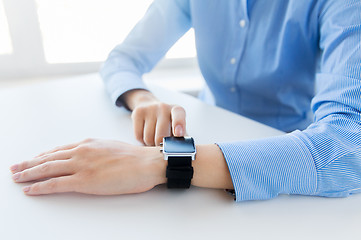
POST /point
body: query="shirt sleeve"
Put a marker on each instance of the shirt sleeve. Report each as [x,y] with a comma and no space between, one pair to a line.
[163,24]
[325,158]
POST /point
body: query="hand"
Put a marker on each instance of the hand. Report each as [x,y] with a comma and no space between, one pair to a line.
[93,167]
[153,120]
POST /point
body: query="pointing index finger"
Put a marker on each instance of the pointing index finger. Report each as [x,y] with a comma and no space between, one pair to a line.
[178,115]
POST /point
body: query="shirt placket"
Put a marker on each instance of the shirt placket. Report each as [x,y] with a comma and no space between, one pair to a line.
[236,51]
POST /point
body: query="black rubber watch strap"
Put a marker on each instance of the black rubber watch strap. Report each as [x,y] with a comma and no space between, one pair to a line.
[179,172]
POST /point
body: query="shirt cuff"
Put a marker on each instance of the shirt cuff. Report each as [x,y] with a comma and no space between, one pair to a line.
[262,169]
[121,83]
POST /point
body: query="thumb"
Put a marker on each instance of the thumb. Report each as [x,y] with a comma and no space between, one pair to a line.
[178,116]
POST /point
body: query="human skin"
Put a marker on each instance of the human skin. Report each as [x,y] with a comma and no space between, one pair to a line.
[104,167]
[152,119]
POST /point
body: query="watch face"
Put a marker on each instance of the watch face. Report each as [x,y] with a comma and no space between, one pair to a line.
[179,145]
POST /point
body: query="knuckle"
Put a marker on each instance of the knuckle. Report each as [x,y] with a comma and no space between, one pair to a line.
[83,149]
[51,185]
[58,148]
[178,108]
[72,165]
[151,107]
[24,174]
[88,140]
[44,158]
[135,113]
[138,111]
[24,165]
[35,187]
[45,167]
[163,107]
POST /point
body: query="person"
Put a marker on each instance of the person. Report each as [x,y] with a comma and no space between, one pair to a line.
[293,65]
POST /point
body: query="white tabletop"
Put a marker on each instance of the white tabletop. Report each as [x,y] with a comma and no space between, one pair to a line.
[37,117]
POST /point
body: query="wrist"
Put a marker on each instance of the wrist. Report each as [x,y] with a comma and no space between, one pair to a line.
[210,168]
[158,166]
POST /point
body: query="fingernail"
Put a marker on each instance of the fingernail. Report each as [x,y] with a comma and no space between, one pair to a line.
[16,176]
[178,130]
[26,189]
[13,168]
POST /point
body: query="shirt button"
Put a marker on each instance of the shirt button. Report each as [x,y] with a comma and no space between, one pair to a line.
[233,61]
[232,89]
[242,23]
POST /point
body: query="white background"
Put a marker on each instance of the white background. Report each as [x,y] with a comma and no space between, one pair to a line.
[53,37]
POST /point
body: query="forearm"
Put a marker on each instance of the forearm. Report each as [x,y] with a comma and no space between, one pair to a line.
[210,168]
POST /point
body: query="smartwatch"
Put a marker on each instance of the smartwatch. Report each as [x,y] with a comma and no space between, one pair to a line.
[179,152]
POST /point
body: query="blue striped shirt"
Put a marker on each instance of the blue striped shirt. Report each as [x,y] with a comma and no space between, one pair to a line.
[293,65]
